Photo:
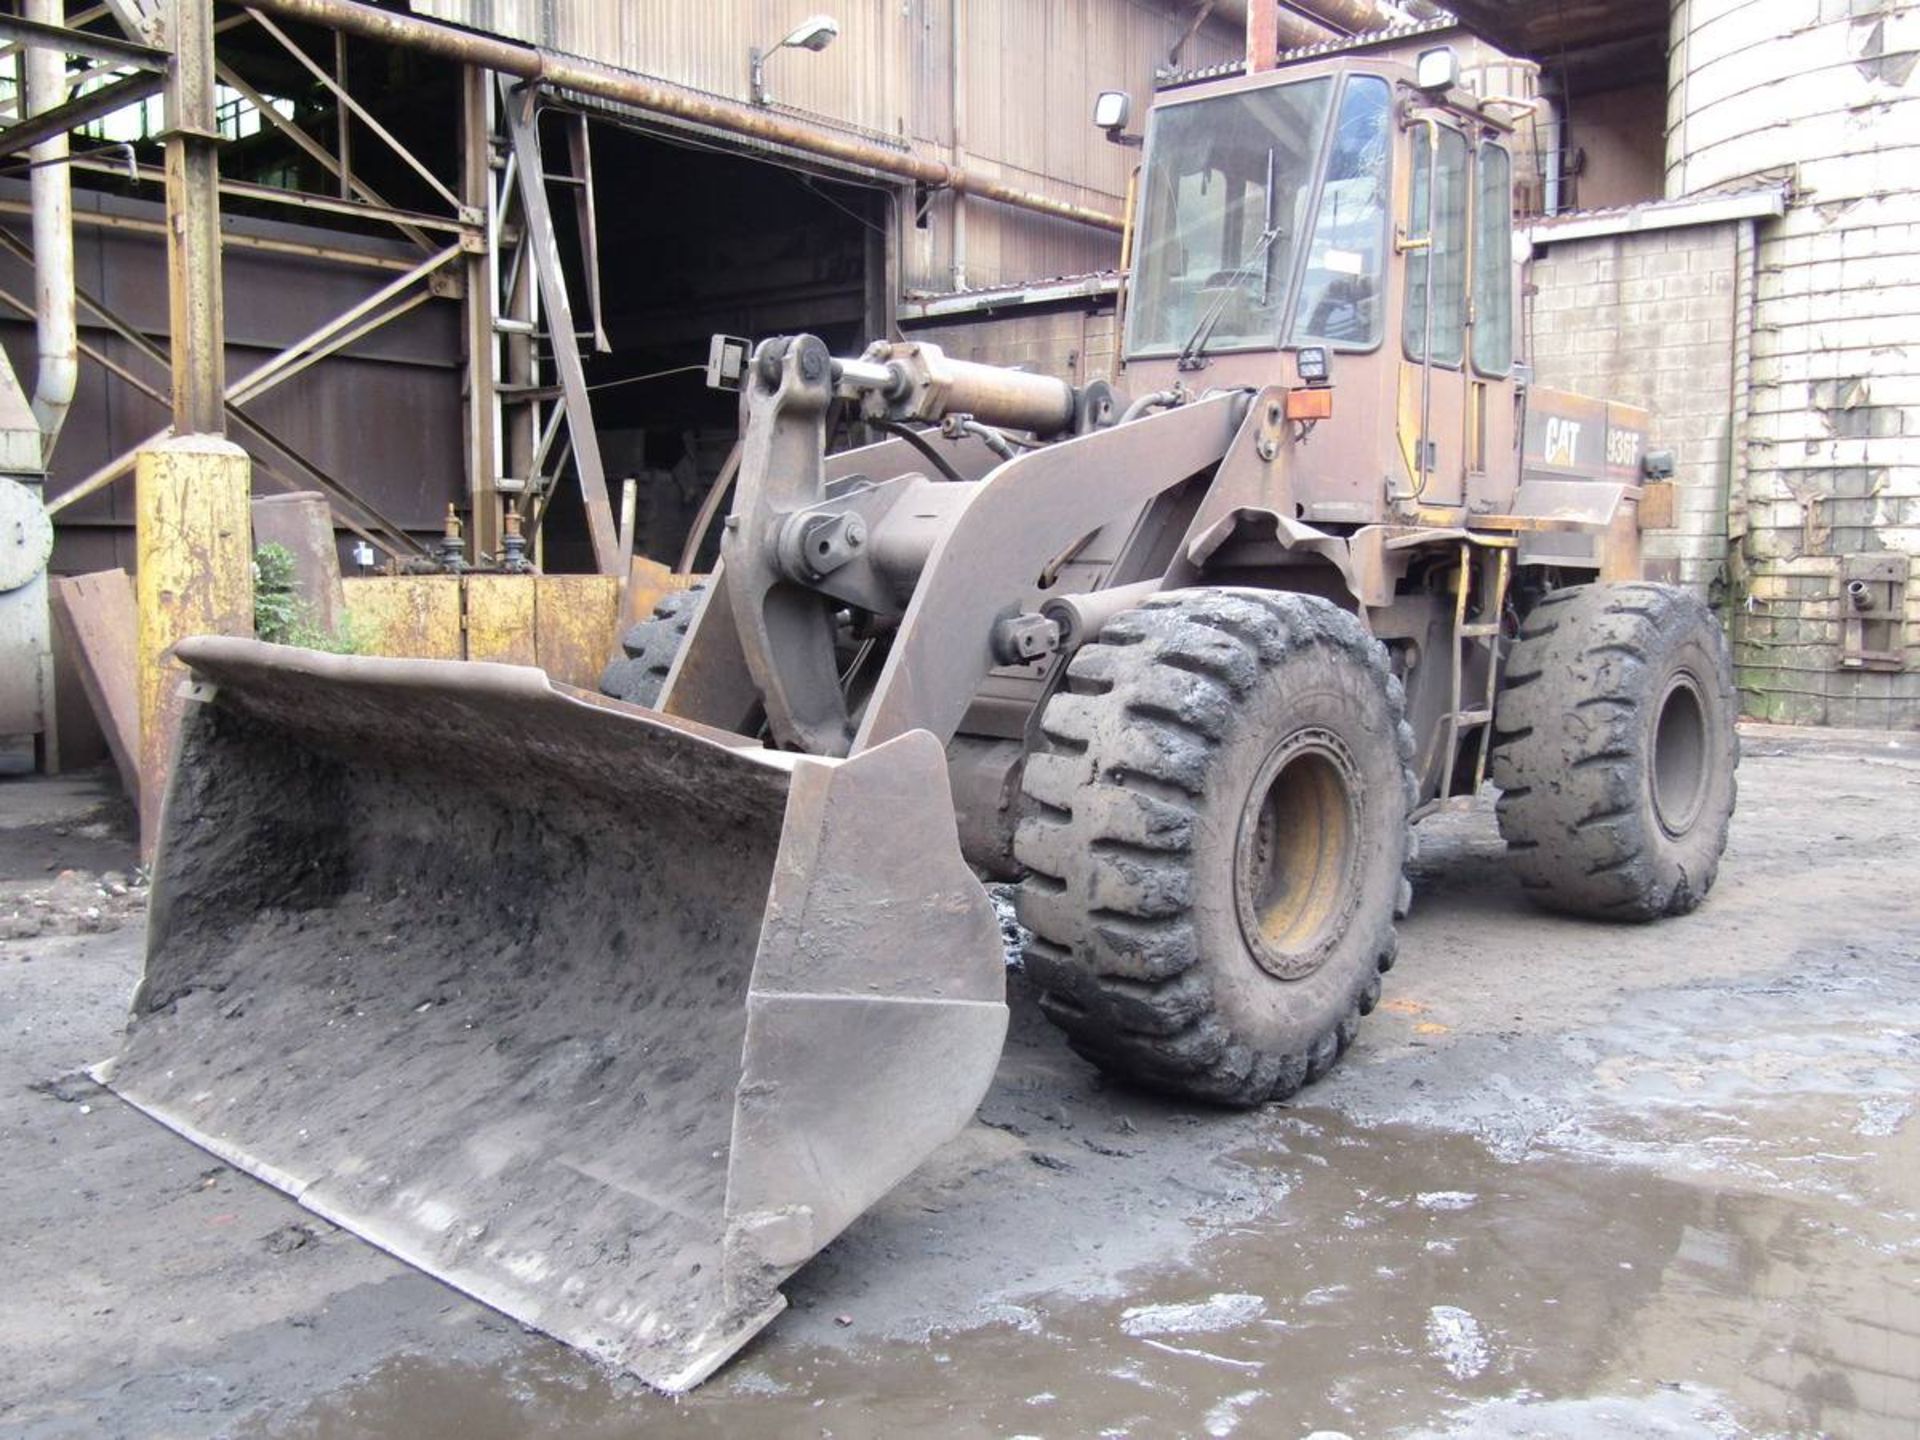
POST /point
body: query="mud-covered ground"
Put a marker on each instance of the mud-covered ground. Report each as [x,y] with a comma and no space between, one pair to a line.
[1573,1180]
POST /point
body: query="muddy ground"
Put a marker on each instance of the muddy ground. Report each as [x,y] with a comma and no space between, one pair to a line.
[1573,1180]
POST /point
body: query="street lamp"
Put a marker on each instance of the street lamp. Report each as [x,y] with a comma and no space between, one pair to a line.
[814,33]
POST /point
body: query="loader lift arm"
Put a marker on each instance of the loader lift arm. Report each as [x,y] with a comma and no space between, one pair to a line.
[948,561]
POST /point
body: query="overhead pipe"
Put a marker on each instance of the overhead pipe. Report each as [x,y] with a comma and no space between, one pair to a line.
[607,82]
[51,189]
[1349,17]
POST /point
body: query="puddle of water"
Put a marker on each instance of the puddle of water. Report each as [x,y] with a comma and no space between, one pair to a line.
[1407,1279]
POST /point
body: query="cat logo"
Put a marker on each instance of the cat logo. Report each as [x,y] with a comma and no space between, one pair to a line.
[1563,442]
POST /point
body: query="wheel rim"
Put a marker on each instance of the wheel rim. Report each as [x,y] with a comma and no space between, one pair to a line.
[1297,857]
[1680,766]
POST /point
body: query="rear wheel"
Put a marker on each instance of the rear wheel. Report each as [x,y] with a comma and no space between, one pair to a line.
[650,647]
[1215,841]
[1615,749]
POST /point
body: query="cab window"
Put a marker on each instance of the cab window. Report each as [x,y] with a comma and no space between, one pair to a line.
[1439,210]
[1340,291]
[1493,264]
[1225,191]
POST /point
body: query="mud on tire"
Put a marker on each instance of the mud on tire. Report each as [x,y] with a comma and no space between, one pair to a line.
[650,645]
[1614,750]
[1214,842]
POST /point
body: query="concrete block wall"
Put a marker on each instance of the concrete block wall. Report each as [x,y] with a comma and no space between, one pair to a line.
[1649,318]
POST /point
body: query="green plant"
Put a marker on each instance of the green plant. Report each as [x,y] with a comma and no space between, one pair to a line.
[282,617]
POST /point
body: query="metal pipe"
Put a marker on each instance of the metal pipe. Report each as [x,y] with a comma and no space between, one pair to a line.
[1153,400]
[957,95]
[1351,17]
[609,83]
[986,435]
[1296,32]
[866,375]
[52,194]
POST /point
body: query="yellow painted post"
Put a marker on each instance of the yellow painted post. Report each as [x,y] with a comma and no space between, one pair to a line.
[194,540]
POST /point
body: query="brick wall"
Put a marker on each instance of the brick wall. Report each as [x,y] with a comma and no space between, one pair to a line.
[1649,319]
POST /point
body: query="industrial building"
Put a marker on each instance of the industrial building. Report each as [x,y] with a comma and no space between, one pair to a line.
[418,329]
[873,715]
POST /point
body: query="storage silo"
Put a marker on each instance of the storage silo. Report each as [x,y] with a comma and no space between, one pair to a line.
[1824,493]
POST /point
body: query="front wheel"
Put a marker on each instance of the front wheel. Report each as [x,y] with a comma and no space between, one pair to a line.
[651,646]
[1614,750]
[1214,842]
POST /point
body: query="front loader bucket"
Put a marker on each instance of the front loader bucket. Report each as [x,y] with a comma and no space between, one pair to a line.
[610,1020]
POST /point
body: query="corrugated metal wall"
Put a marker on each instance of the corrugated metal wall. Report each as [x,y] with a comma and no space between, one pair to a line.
[703,44]
[1826,479]
[1028,72]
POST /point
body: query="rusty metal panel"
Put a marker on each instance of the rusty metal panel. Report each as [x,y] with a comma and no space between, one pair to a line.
[574,622]
[413,616]
[385,413]
[565,624]
[99,626]
[648,583]
[500,619]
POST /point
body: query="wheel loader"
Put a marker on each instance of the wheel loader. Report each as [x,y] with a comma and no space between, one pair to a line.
[613,1014]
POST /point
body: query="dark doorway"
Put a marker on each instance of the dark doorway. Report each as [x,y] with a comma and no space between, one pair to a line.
[697,240]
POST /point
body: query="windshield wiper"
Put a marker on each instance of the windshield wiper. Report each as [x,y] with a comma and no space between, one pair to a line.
[1193,352]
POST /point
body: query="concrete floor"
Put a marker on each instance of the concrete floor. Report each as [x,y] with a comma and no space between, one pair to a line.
[1572,1181]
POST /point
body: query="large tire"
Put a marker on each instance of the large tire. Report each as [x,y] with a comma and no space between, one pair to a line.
[650,647]
[1215,841]
[1614,751]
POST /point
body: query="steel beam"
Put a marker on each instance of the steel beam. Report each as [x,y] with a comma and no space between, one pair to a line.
[348,105]
[483,417]
[197,317]
[411,222]
[351,186]
[118,53]
[104,220]
[75,113]
[522,126]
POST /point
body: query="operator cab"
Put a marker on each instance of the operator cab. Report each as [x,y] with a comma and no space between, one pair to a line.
[1360,205]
